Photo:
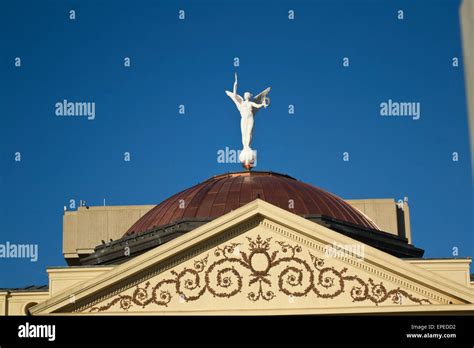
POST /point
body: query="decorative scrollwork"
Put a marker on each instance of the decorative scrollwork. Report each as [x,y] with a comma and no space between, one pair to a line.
[224,278]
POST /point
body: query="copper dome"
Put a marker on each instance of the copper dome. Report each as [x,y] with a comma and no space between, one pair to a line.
[224,193]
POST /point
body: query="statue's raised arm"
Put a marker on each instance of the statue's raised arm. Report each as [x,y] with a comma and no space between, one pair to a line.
[237,99]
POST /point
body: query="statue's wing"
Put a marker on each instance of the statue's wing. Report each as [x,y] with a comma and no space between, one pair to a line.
[262,95]
[260,98]
[238,98]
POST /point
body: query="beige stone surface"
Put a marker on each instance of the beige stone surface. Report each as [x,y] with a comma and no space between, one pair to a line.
[455,269]
[3,303]
[85,228]
[381,211]
[16,303]
[62,278]
[406,213]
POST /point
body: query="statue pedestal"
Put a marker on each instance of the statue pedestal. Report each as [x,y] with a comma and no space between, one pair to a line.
[247,165]
[247,158]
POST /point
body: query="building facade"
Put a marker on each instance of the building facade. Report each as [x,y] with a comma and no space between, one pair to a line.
[247,243]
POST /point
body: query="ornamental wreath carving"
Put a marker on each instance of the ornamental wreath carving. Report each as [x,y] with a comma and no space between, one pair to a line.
[226,275]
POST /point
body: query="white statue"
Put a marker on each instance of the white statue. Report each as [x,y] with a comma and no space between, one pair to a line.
[248,108]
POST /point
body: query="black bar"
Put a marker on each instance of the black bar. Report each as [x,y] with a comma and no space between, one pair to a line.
[286,330]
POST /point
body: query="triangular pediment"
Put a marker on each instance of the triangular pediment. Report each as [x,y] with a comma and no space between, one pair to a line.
[259,259]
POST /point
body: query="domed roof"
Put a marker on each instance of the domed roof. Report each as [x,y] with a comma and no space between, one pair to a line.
[223,193]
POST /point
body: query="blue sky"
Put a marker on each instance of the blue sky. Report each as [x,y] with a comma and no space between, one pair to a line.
[190,62]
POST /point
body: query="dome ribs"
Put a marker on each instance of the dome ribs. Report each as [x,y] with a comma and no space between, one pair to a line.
[340,214]
[246,190]
[233,195]
[354,216]
[205,207]
[299,205]
[218,207]
[263,189]
[194,204]
[162,218]
[320,206]
[281,194]
[151,217]
[258,190]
